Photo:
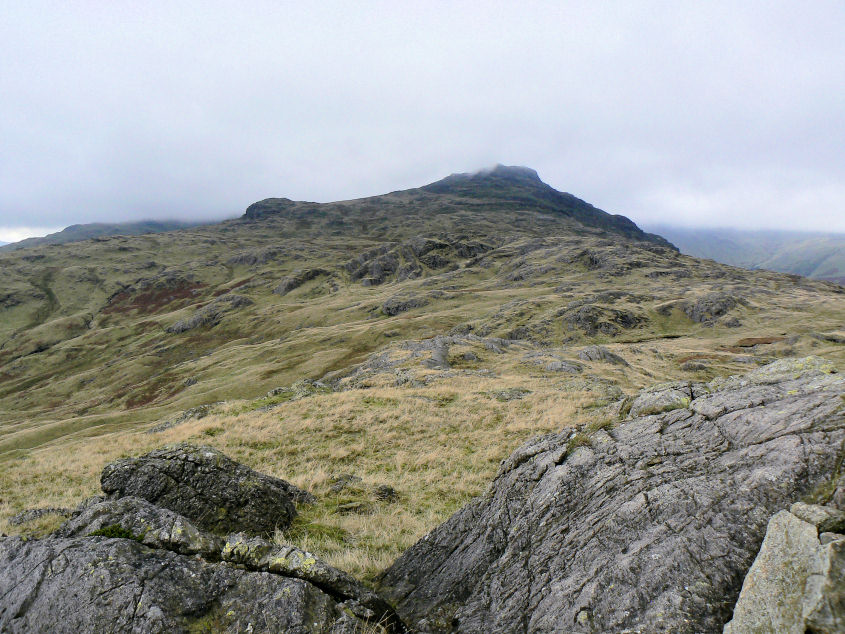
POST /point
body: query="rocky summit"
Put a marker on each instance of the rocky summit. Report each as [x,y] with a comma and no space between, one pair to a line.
[478,405]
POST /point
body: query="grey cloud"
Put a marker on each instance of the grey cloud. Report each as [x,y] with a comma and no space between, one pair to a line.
[701,113]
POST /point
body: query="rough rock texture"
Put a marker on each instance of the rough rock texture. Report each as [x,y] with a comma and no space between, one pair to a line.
[664,397]
[297,279]
[97,584]
[127,565]
[797,581]
[211,314]
[153,526]
[600,353]
[208,488]
[650,527]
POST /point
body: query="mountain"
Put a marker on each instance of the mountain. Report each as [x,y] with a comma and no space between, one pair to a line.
[387,354]
[75,233]
[817,255]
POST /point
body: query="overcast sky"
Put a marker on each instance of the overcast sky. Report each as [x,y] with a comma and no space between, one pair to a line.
[694,113]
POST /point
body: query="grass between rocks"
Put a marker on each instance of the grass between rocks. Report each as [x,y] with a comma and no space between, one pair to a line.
[87,365]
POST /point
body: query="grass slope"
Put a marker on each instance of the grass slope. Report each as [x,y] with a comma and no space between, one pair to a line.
[113,347]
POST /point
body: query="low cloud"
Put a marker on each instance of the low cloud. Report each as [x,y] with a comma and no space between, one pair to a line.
[708,113]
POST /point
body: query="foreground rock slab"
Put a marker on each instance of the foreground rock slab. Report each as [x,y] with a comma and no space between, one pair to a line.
[650,527]
[797,581]
[125,564]
[97,584]
[207,487]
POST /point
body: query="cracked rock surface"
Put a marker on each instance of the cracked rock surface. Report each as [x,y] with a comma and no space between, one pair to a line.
[649,528]
[207,487]
[96,584]
[125,564]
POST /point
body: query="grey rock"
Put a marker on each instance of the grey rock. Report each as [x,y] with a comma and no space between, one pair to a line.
[33,514]
[345,481]
[402,303]
[385,493]
[600,353]
[694,366]
[210,489]
[258,554]
[649,526]
[772,594]
[825,518]
[711,306]
[297,279]
[211,314]
[439,359]
[797,582]
[153,526]
[97,584]
[568,367]
[661,398]
[510,394]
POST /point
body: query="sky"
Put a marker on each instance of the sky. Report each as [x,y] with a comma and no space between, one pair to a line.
[689,113]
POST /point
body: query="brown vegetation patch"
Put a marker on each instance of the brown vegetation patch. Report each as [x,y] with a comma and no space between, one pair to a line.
[150,301]
[753,341]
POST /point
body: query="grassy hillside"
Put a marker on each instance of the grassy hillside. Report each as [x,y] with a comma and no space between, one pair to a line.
[77,233]
[445,324]
[816,255]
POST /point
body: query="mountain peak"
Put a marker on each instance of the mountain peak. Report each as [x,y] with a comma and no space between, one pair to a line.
[501,174]
[515,172]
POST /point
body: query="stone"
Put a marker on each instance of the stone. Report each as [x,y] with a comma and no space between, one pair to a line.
[825,518]
[568,367]
[797,582]
[210,489]
[649,525]
[662,398]
[600,353]
[385,493]
[772,594]
[97,584]
[150,525]
[30,515]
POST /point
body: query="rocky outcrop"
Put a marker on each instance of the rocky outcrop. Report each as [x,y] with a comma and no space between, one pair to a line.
[664,398]
[797,581]
[99,584]
[600,353]
[211,314]
[210,489]
[297,279]
[127,565]
[646,526]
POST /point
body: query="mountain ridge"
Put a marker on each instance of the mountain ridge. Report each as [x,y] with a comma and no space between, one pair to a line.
[88,231]
[812,254]
[514,186]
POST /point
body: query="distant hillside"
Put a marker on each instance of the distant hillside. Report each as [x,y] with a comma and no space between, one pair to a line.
[75,233]
[817,255]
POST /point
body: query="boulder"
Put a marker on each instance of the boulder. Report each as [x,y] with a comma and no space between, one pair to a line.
[797,582]
[662,398]
[148,524]
[646,526]
[600,353]
[99,584]
[210,489]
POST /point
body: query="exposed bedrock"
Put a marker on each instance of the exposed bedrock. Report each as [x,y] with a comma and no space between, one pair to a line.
[649,527]
[207,487]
